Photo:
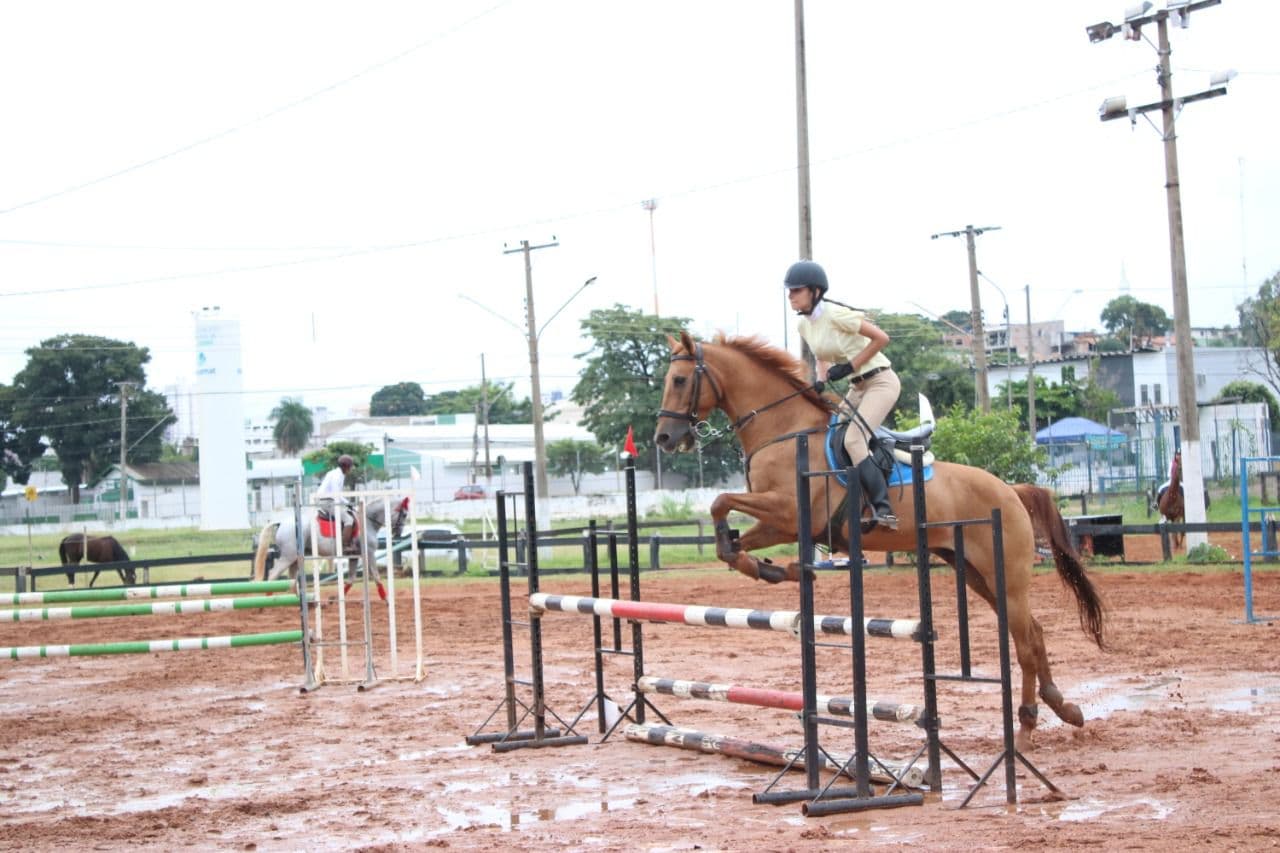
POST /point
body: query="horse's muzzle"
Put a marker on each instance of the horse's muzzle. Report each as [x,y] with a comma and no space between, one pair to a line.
[674,437]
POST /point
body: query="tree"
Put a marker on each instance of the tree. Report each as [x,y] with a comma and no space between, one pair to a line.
[572,458]
[957,317]
[621,386]
[503,407]
[326,458]
[20,449]
[1260,326]
[1129,320]
[992,441]
[1070,398]
[293,426]
[403,398]
[69,393]
[1251,392]
[924,364]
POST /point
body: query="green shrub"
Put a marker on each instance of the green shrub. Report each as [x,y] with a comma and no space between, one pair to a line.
[1207,552]
[672,510]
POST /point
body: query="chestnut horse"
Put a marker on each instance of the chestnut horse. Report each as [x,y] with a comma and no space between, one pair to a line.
[764,392]
[96,549]
[1169,498]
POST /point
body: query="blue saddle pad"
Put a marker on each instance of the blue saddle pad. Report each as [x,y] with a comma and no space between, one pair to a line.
[899,476]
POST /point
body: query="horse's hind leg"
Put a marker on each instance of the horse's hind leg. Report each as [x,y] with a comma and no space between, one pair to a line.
[1033,659]
[1068,712]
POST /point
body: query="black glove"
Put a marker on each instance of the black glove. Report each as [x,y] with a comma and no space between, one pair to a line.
[839,371]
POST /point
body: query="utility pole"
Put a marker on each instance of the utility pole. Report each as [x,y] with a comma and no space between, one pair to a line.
[802,177]
[484,410]
[124,445]
[1188,411]
[1031,373]
[975,311]
[539,450]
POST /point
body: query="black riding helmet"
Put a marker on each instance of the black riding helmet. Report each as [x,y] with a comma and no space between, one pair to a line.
[806,274]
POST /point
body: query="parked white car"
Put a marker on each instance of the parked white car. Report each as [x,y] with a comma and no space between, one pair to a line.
[431,557]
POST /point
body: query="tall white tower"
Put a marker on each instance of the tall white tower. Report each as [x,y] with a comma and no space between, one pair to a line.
[224,493]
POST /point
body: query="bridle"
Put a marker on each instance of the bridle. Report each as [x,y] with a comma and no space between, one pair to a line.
[701,428]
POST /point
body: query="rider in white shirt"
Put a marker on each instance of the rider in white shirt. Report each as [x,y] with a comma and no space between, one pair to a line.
[333,485]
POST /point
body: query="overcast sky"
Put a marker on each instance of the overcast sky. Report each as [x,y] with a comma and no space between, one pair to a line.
[337,176]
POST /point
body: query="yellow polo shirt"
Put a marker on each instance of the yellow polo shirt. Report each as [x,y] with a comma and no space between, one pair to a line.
[832,332]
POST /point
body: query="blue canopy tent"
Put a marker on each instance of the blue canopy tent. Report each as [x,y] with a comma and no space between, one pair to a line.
[1080,431]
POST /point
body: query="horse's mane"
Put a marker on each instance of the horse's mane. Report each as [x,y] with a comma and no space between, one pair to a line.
[779,361]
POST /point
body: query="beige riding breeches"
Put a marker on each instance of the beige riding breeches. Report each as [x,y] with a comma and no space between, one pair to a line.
[873,400]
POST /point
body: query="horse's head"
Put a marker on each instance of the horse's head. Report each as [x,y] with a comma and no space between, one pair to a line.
[689,393]
[377,515]
[398,515]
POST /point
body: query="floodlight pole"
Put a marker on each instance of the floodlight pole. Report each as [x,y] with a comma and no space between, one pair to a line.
[1188,412]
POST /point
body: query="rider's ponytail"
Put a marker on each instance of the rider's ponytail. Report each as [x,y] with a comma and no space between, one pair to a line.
[842,305]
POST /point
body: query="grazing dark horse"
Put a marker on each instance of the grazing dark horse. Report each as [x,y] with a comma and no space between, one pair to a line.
[96,549]
[768,399]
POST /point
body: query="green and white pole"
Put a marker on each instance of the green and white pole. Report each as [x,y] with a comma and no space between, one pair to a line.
[184,644]
[186,590]
[160,608]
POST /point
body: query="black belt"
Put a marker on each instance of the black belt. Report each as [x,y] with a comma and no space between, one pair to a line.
[862,377]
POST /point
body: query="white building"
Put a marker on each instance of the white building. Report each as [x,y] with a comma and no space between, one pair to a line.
[221,422]
[452,450]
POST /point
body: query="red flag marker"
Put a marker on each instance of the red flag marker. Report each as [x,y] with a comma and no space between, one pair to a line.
[630,445]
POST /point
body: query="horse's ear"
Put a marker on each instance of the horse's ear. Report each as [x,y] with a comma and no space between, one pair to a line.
[672,342]
[686,342]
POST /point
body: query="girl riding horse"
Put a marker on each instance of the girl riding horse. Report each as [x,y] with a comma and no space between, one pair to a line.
[768,399]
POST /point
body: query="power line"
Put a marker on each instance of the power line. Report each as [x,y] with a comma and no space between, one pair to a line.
[222,134]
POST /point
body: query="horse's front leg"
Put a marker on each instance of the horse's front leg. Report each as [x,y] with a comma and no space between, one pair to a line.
[781,528]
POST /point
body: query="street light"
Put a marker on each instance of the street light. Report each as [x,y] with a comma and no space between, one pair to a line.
[534,335]
[1169,107]
[1008,340]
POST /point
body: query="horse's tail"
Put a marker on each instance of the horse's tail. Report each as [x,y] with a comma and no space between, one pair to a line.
[1049,525]
[265,538]
[62,551]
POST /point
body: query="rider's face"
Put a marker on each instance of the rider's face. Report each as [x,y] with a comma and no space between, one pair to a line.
[801,299]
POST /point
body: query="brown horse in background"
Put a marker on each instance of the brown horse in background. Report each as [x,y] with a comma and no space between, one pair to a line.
[1169,499]
[768,399]
[97,549]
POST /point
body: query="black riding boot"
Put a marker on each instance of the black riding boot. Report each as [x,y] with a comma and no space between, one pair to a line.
[876,493]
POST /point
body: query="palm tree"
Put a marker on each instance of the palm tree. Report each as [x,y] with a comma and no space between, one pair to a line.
[293,426]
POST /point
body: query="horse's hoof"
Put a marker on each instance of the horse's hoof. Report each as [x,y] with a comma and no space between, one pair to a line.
[1071,715]
[1022,740]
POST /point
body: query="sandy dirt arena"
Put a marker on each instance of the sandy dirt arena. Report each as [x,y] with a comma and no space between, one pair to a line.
[219,750]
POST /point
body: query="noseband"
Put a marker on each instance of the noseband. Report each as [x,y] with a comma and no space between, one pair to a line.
[699,371]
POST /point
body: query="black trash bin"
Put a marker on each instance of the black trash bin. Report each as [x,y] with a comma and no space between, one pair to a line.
[1098,544]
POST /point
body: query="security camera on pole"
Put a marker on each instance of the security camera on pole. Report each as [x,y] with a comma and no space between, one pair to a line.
[1135,18]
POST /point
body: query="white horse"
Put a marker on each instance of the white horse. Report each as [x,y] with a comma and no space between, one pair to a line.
[362,543]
